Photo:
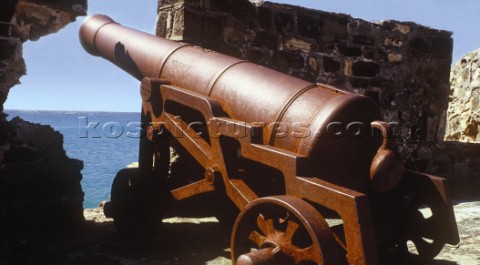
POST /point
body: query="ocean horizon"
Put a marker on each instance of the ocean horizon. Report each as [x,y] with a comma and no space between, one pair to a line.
[105,141]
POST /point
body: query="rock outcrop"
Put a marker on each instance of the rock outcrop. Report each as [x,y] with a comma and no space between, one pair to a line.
[34,19]
[40,185]
[22,20]
[40,192]
[464,108]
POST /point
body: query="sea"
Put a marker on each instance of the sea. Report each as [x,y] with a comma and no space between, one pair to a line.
[105,141]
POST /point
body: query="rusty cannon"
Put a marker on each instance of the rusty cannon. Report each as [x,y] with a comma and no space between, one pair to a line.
[291,155]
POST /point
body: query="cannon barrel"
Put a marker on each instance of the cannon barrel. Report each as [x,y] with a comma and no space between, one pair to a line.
[329,126]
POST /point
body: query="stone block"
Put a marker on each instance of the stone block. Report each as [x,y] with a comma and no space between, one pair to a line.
[395,57]
[256,56]
[402,28]
[313,63]
[365,69]
[311,77]
[335,25]
[240,8]
[349,51]
[360,83]
[392,42]
[309,26]
[441,47]
[294,44]
[177,24]
[363,40]
[164,26]
[330,65]
[212,29]
[234,37]
[265,18]
[347,69]
[293,60]
[266,40]
[418,47]
[163,3]
[284,22]
[373,54]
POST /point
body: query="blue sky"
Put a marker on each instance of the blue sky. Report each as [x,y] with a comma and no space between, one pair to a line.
[61,76]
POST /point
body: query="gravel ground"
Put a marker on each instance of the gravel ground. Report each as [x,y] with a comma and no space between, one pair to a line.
[205,241]
[467,252]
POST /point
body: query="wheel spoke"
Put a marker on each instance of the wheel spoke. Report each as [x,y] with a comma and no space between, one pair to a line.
[424,248]
[266,226]
[428,227]
[305,254]
[421,245]
[270,227]
[291,229]
[262,225]
[257,238]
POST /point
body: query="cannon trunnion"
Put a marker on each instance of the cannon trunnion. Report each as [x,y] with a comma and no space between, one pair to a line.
[327,149]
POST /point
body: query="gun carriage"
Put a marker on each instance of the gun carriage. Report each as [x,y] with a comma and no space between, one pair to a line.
[328,151]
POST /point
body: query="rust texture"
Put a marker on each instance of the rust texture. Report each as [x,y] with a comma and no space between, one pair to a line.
[320,151]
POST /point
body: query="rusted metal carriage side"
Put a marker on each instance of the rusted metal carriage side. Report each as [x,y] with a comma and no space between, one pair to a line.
[319,138]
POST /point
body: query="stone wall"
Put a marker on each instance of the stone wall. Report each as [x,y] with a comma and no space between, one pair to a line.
[464,108]
[402,66]
[462,138]
[40,190]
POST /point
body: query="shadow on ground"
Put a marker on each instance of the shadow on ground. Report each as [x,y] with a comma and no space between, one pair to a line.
[196,241]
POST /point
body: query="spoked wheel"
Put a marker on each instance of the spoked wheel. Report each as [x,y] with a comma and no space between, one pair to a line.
[127,207]
[421,219]
[421,233]
[421,227]
[282,230]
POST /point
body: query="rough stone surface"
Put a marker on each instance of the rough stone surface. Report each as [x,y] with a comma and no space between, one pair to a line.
[12,65]
[22,20]
[464,108]
[34,20]
[40,185]
[402,66]
[459,162]
[40,192]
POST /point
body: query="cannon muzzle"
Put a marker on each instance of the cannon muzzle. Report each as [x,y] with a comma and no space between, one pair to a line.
[136,52]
